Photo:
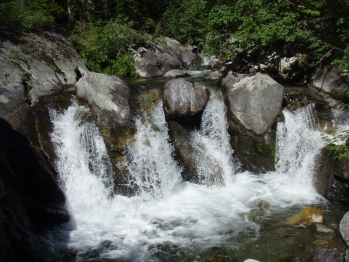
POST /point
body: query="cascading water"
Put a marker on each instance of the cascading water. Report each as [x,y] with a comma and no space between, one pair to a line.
[168,219]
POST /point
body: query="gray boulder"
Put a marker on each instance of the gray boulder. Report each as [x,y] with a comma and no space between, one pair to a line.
[108,98]
[254,105]
[344,228]
[183,98]
[256,102]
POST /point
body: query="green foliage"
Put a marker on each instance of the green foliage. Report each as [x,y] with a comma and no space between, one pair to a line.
[105,46]
[29,15]
[336,144]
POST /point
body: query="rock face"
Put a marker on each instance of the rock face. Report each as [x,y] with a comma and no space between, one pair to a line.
[190,154]
[30,199]
[47,62]
[254,105]
[33,67]
[328,80]
[331,176]
[108,97]
[184,100]
[162,55]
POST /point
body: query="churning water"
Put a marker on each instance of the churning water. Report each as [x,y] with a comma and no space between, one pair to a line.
[169,219]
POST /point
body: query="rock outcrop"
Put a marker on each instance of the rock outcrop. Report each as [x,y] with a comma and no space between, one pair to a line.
[254,105]
[162,55]
[34,67]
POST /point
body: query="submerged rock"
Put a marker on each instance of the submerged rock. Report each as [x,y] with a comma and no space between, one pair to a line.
[323,231]
[327,255]
[307,216]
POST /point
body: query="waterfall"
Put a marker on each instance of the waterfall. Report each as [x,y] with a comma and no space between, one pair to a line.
[169,219]
[213,137]
[153,171]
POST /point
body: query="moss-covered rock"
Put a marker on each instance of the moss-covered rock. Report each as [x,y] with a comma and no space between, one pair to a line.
[256,154]
[307,216]
[331,176]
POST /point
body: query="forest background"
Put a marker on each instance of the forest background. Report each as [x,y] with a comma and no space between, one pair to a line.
[106,31]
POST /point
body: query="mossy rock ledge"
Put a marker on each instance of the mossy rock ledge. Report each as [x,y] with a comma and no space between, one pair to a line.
[254,106]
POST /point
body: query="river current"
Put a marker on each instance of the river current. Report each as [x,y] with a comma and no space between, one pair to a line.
[173,220]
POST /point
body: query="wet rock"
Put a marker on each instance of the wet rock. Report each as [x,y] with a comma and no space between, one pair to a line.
[174,73]
[328,80]
[331,176]
[323,231]
[326,255]
[30,198]
[108,97]
[255,102]
[183,98]
[256,154]
[344,228]
[213,76]
[254,105]
[307,216]
[43,125]
[193,157]
[297,97]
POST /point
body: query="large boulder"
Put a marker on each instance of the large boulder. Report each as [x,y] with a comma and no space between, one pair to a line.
[255,102]
[183,98]
[108,97]
[193,158]
[331,177]
[254,106]
[328,80]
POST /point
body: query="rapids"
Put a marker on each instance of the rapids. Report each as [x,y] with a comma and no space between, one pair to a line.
[169,219]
